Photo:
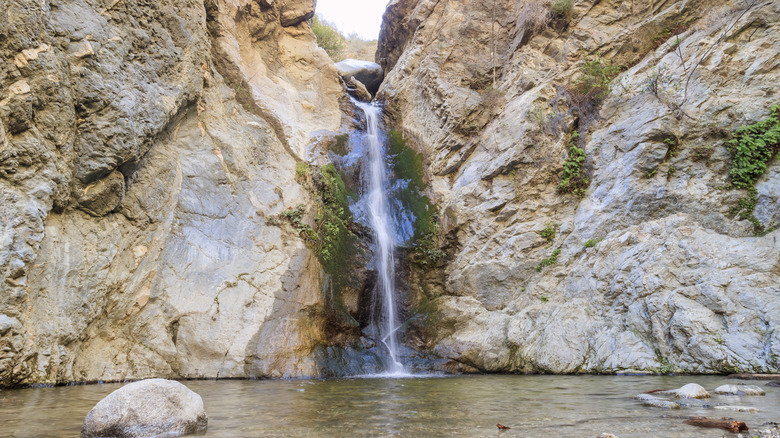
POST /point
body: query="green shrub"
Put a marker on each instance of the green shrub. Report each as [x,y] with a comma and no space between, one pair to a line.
[329,38]
[752,147]
[562,8]
[591,243]
[573,178]
[595,80]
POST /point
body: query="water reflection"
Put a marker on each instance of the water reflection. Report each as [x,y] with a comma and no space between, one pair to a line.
[559,406]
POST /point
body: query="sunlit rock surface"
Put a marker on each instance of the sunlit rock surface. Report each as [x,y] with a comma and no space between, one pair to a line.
[142,150]
[671,279]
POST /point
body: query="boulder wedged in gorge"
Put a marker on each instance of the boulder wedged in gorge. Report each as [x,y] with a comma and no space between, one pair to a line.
[144,151]
[652,268]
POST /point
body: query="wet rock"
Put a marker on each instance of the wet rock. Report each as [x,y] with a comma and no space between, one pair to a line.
[775,384]
[691,390]
[358,90]
[739,390]
[737,409]
[657,402]
[367,72]
[148,408]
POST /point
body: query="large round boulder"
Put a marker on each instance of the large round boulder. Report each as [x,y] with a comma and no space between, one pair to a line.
[145,409]
[368,73]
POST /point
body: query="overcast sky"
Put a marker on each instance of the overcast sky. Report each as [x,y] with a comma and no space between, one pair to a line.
[363,17]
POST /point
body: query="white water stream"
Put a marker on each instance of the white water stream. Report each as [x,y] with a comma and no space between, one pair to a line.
[385,241]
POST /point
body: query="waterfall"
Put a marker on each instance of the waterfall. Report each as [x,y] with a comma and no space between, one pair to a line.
[380,219]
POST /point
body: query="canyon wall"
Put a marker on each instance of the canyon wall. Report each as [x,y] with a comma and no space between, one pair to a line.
[144,148]
[654,261]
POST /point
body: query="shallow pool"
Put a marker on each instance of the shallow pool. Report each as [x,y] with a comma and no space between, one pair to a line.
[533,406]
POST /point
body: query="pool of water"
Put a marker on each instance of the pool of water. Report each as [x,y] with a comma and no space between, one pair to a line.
[469,406]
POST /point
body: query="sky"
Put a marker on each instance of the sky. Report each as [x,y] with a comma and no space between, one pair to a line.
[363,17]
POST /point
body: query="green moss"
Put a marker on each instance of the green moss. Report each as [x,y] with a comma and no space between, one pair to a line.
[336,244]
[340,146]
[407,165]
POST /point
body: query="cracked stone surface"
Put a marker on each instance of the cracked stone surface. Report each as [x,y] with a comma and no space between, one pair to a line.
[674,279]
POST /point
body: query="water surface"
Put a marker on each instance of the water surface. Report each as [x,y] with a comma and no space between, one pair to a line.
[467,406]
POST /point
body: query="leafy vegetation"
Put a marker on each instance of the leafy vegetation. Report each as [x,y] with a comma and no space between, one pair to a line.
[548,233]
[573,178]
[549,261]
[562,8]
[752,147]
[595,80]
[329,38]
[591,243]
[340,47]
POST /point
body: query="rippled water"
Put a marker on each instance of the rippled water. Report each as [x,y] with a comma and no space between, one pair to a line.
[533,406]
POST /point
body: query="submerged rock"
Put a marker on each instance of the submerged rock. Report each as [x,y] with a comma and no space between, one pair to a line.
[367,72]
[147,408]
[775,384]
[656,402]
[737,409]
[739,390]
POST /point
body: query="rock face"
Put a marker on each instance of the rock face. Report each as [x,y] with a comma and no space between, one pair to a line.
[652,267]
[368,73]
[145,409]
[144,150]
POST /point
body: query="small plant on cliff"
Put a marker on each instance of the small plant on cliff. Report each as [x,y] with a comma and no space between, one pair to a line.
[548,233]
[573,178]
[591,243]
[562,8]
[595,80]
[549,261]
[752,147]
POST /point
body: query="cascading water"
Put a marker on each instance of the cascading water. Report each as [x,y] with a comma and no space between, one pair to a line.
[381,221]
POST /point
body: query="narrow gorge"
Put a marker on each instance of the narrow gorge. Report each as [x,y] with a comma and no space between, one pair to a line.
[188,191]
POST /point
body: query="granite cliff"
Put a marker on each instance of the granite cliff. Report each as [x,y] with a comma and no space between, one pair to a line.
[590,204]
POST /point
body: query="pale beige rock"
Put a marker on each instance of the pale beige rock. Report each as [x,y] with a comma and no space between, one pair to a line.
[739,390]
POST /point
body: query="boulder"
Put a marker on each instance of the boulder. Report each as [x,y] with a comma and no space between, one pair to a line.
[367,72]
[691,390]
[739,390]
[145,409]
[358,90]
